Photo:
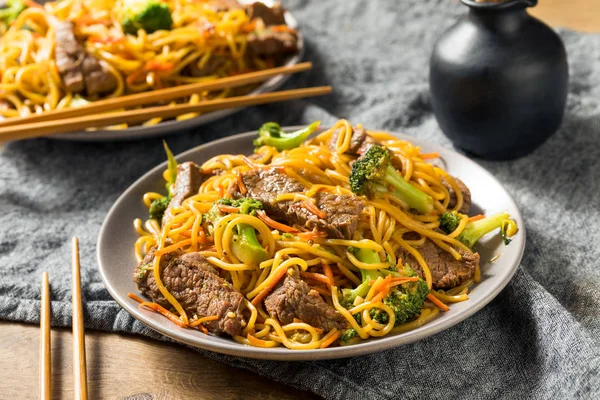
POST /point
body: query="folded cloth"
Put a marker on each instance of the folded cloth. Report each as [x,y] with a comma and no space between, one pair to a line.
[540,338]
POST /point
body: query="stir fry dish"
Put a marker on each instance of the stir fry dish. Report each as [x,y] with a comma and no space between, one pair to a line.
[319,238]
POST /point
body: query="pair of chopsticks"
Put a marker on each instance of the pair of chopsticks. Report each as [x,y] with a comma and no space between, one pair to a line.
[79,365]
[101,113]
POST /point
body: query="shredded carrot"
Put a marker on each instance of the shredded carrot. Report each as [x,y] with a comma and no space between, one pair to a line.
[274,224]
[405,279]
[204,319]
[159,66]
[172,247]
[429,156]
[310,206]
[437,302]
[135,297]
[203,329]
[249,163]
[311,235]
[328,273]
[331,339]
[163,311]
[253,340]
[134,76]
[313,276]
[476,217]
[240,183]
[248,27]
[282,28]
[221,191]
[321,290]
[382,289]
[256,301]
[228,209]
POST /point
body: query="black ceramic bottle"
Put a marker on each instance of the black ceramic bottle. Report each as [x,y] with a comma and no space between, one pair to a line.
[498,80]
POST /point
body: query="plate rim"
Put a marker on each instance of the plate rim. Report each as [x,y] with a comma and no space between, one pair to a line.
[171,127]
[233,348]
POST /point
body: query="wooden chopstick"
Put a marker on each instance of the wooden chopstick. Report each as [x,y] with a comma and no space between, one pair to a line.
[45,355]
[154,96]
[79,367]
[46,128]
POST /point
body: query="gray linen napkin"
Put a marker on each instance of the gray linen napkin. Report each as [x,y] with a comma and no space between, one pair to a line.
[539,338]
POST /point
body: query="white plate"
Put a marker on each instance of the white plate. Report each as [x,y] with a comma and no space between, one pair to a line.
[116,257]
[174,126]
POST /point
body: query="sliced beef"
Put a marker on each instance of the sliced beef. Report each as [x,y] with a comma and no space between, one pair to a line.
[268,43]
[466,206]
[97,78]
[69,57]
[189,179]
[269,15]
[197,287]
[295,299]
[343,212]
[446,272]
[359,142]
[78,69]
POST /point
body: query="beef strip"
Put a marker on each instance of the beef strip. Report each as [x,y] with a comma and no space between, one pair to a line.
[269,15]
[189,179]
[79,70]
[359,142]
[268,43]
[295,299]
[196,286]
[466,206]
[446,272]
[343,212]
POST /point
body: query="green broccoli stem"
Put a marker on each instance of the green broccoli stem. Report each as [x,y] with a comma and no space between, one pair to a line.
[475,230]
[406,192]
[246,246]
[367,256]
[270,134]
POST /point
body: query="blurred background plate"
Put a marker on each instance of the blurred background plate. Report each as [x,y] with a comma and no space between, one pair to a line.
[174,126]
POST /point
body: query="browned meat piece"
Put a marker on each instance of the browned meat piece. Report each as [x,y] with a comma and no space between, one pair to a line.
[189,179]
[270,15]
[359,142]
[466,206]
[446,272]
[78,69]
[97,78]
[197,287]
[295,299]
[211,67]
[269,43]
[69,56]
[343,212]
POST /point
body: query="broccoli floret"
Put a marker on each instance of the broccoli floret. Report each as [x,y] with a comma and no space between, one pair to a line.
[475,230]
[12,11]
[406,299]
[349,336]
[150,16]
[270,134]
[373,175]
[158,207]
[245,246]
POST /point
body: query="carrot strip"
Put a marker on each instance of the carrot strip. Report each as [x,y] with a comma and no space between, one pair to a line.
[331,339]
[311,235]
[221,191]
[476,217]
[406,279]
[274,224]
[328,273]
[313,276]
[253,340]
[321,290]
[135,297]
[437,302]
[204,319]
[310,206]
[256,301]
[240,183]
[163,311]
[134,76]
[228,209]
[172,247]
[249,162]
[429,156]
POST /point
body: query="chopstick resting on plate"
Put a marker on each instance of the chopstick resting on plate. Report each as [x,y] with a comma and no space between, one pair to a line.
[45,355]
[79,365]
[27,131]
[155,96]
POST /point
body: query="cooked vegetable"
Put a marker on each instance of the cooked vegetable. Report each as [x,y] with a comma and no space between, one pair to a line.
[246,247]
[475,230]
[172,168]
[373,175]
[12,11]
[150,16]
[159,206]
[270,134]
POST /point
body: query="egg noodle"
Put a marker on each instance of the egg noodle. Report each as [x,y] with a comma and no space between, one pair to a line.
[30,80]
[324,263]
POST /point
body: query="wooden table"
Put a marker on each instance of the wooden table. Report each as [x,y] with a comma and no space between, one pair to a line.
[120,366]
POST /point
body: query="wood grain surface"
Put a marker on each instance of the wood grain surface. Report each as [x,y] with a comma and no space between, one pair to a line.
[128,367]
